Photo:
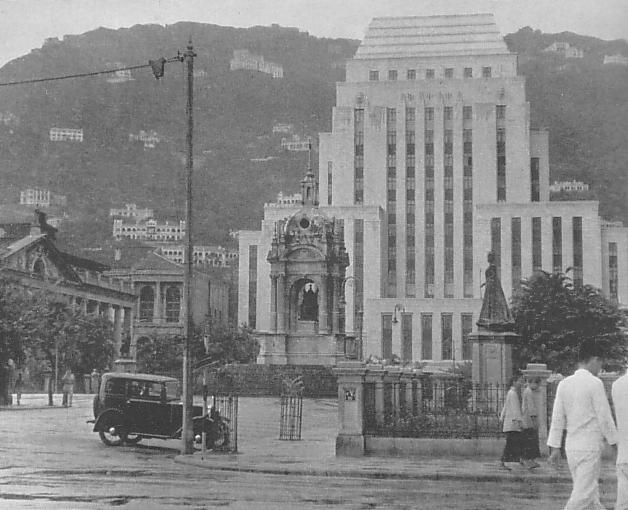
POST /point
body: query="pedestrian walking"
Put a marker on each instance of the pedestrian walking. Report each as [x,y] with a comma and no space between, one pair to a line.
[530,415]
[68,388]
[19,384]
[620,402]
[95,376]
[581,407]
[512,423]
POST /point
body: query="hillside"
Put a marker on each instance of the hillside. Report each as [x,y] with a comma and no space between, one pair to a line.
[582,102]
[234,115]
[585,106]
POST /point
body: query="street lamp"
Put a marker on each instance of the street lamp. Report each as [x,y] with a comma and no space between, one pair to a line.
[360,314]
[399,308]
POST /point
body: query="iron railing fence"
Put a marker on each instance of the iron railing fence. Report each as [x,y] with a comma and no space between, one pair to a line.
[436,408]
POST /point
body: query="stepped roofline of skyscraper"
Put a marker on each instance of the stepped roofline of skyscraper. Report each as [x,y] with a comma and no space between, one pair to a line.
[432,36]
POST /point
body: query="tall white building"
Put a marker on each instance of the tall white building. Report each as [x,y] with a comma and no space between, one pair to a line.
[431,163]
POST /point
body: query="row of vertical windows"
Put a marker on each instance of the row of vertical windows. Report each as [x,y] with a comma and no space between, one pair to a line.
[535,180]
[496,244]
[358,163]
[430,74]
[252,286]
[447,347]
[428,202]
[500,120]
[557,250]
[515,252]
[613,282]
[577,250]
[358,270]
[557,244]
[448,206]
[410,208]
[467,201]
[329,182]
[537,261]
[391,199]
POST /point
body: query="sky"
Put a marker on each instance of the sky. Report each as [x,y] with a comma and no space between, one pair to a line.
[24,24]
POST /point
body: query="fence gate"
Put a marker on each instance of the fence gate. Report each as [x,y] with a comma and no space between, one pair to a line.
[227,406]
[291,410]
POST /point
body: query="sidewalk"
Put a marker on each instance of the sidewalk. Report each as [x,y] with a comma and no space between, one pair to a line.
[32,401]
[260,451]
[307,458]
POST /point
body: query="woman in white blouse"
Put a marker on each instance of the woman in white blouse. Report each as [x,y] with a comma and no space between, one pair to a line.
[512,423]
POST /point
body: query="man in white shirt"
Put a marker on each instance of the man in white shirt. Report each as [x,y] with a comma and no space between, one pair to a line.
[620,401]
[581,407]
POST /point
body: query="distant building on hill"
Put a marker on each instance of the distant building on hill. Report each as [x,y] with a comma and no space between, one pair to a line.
[243,59]
[286,200]
[564,49]
[131,211]
[41,198]
[616,59]
[66,135]
[212,256]
[296,143]
[149,230]
[283,128]
[150,138]
[570,186]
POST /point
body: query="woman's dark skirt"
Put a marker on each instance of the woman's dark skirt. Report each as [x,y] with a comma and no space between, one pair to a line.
[530,439]
[513,448]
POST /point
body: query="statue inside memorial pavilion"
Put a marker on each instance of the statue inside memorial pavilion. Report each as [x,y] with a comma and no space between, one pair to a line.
[495,314]
[308,311]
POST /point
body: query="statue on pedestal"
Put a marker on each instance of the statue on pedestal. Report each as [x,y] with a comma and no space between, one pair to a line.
[495,314]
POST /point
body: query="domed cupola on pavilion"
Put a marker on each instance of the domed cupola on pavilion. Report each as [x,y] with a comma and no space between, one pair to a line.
[307,269]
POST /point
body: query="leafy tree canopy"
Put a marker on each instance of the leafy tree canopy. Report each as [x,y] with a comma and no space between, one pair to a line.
[553,317]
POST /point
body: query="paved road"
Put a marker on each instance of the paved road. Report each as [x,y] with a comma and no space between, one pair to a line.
[50,459]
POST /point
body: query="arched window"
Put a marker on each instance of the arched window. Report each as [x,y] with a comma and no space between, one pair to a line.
[147,303]
[173,304]
[39,269]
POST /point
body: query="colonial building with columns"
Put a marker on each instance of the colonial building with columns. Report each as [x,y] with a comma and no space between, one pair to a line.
[431,162]
[30,258]
[160,307]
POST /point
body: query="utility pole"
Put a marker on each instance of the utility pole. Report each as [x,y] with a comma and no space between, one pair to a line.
[187,434]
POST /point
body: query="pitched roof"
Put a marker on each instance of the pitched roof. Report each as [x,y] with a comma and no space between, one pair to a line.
[427,36]
[154,262]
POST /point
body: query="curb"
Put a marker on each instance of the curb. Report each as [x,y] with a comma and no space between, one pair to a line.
[375,474]
[28,408]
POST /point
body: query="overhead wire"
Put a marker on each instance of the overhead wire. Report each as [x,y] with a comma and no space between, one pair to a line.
[84,75]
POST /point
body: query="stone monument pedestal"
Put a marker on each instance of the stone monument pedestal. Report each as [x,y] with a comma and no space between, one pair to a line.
[492,356]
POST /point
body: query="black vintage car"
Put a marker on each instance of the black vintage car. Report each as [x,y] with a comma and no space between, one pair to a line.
[129,407]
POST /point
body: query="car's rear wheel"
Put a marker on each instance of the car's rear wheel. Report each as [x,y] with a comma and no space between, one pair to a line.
[112,431]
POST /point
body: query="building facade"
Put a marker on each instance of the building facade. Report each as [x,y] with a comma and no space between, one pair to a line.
[131,211]
[66,135]
[243,59]
[431,163]
[160,306]
[29,258]
[211,256]
[149,230]
[577,186]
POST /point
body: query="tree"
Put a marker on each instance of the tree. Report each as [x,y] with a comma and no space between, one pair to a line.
[225,344]
[553,317]
[12,349]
